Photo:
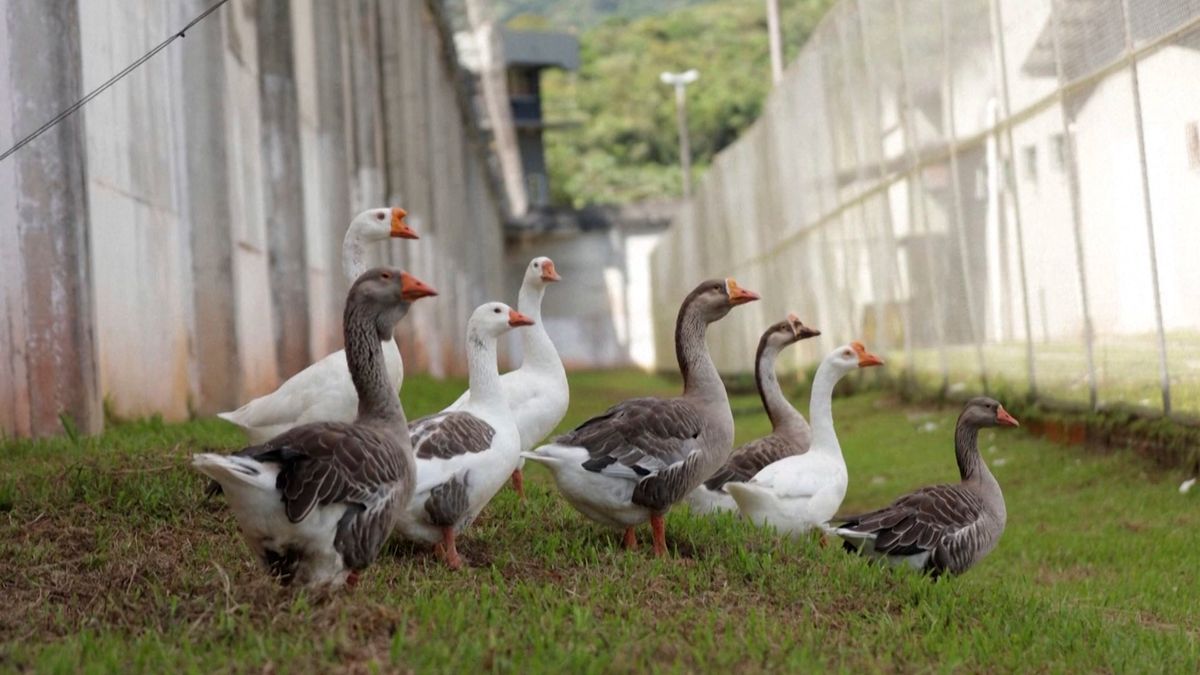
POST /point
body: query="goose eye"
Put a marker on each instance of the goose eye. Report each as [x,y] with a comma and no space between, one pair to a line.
[717,287]
[537,264]
[846,353]
[379,216]
[385,275]
[496,310]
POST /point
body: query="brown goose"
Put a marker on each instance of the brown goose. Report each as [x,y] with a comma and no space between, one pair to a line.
[317,502]
[945,528]
[639,457]
[790,433]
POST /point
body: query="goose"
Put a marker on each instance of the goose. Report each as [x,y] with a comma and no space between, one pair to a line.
[324,392]
[537,392]
[798,493]
[790,433]
[944,528]
[316,503]
[464,456]
[634,461]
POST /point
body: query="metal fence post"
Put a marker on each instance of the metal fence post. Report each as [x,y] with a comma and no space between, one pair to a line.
[1164,371]
[910,132]
[887,234]
[1076,216]
[956,185]
[1006,101]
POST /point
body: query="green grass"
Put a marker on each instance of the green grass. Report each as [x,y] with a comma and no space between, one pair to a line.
[1127,369]
[110,559]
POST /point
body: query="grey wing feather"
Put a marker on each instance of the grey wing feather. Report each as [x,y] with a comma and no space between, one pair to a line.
[642,435]
[925,520]
[751,458]
[448,502]
[449,434]
[328,463]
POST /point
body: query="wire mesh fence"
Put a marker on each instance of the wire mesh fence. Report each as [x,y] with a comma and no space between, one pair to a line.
[999,194]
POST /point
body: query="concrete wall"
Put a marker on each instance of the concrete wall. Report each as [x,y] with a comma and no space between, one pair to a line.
[175,247]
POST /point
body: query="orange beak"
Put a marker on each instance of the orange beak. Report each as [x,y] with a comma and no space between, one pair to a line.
[516,318]
[549,273]
[412,288]
[737,294]
[400,229]
[1004,419]
[865,358]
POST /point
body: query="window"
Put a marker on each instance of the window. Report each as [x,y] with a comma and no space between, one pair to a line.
[1029,157]
[1058,152]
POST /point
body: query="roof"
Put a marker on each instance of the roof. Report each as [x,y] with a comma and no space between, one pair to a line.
[535,48]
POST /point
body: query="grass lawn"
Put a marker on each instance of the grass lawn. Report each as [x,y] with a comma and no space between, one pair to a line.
[111,559]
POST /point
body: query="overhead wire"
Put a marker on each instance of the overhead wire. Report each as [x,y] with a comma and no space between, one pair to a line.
[111,81]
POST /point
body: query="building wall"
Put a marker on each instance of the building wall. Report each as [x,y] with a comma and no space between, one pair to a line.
[176,246]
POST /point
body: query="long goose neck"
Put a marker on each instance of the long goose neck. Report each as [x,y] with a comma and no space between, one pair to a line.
[536,347]
[482,368]
[377,400]
[778,408]
[354,255]
[974,471]
[820,409]
[700,377]
[971,466]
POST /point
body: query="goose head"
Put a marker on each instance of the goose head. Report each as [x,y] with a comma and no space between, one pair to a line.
[541,272]
[714,298]
[380,224]
[982,411]
[789,331]
[387,293]
[846,358]
[495,319]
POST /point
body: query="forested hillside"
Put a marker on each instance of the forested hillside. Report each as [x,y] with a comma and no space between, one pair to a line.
[624,146]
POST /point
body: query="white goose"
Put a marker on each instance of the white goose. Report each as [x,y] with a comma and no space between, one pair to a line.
[537,392]
[324,392]
[316,503]
[790,433]
[798,493]
[464,456]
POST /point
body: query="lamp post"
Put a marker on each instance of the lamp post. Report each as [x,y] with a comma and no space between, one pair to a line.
[680,81]
[775,40]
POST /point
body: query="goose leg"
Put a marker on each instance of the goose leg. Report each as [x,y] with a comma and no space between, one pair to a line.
[659,529]
[446,549]
[630,541]
[518,483]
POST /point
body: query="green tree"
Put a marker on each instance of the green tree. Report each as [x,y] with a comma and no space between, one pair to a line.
[625,147]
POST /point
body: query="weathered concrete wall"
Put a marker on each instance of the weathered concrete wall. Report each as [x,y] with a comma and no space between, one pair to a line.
[47,344]
[176,247]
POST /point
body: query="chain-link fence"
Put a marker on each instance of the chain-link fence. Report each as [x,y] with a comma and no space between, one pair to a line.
[994,193]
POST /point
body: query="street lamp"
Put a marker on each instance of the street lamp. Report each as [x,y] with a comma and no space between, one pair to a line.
[775,40]
[680,81]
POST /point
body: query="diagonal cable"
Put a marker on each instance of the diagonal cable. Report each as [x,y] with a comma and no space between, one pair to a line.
[111,81]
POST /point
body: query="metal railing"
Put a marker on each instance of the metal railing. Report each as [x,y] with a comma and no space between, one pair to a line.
[1001,194]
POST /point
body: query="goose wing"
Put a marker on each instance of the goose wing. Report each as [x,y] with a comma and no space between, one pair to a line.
[920,521]
[639,437]
[449,434]
[751,458]
[328,463]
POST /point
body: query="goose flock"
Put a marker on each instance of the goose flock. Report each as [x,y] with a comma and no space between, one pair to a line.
[335,469]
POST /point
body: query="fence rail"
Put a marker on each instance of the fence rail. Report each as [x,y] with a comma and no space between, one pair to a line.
[1000,194]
